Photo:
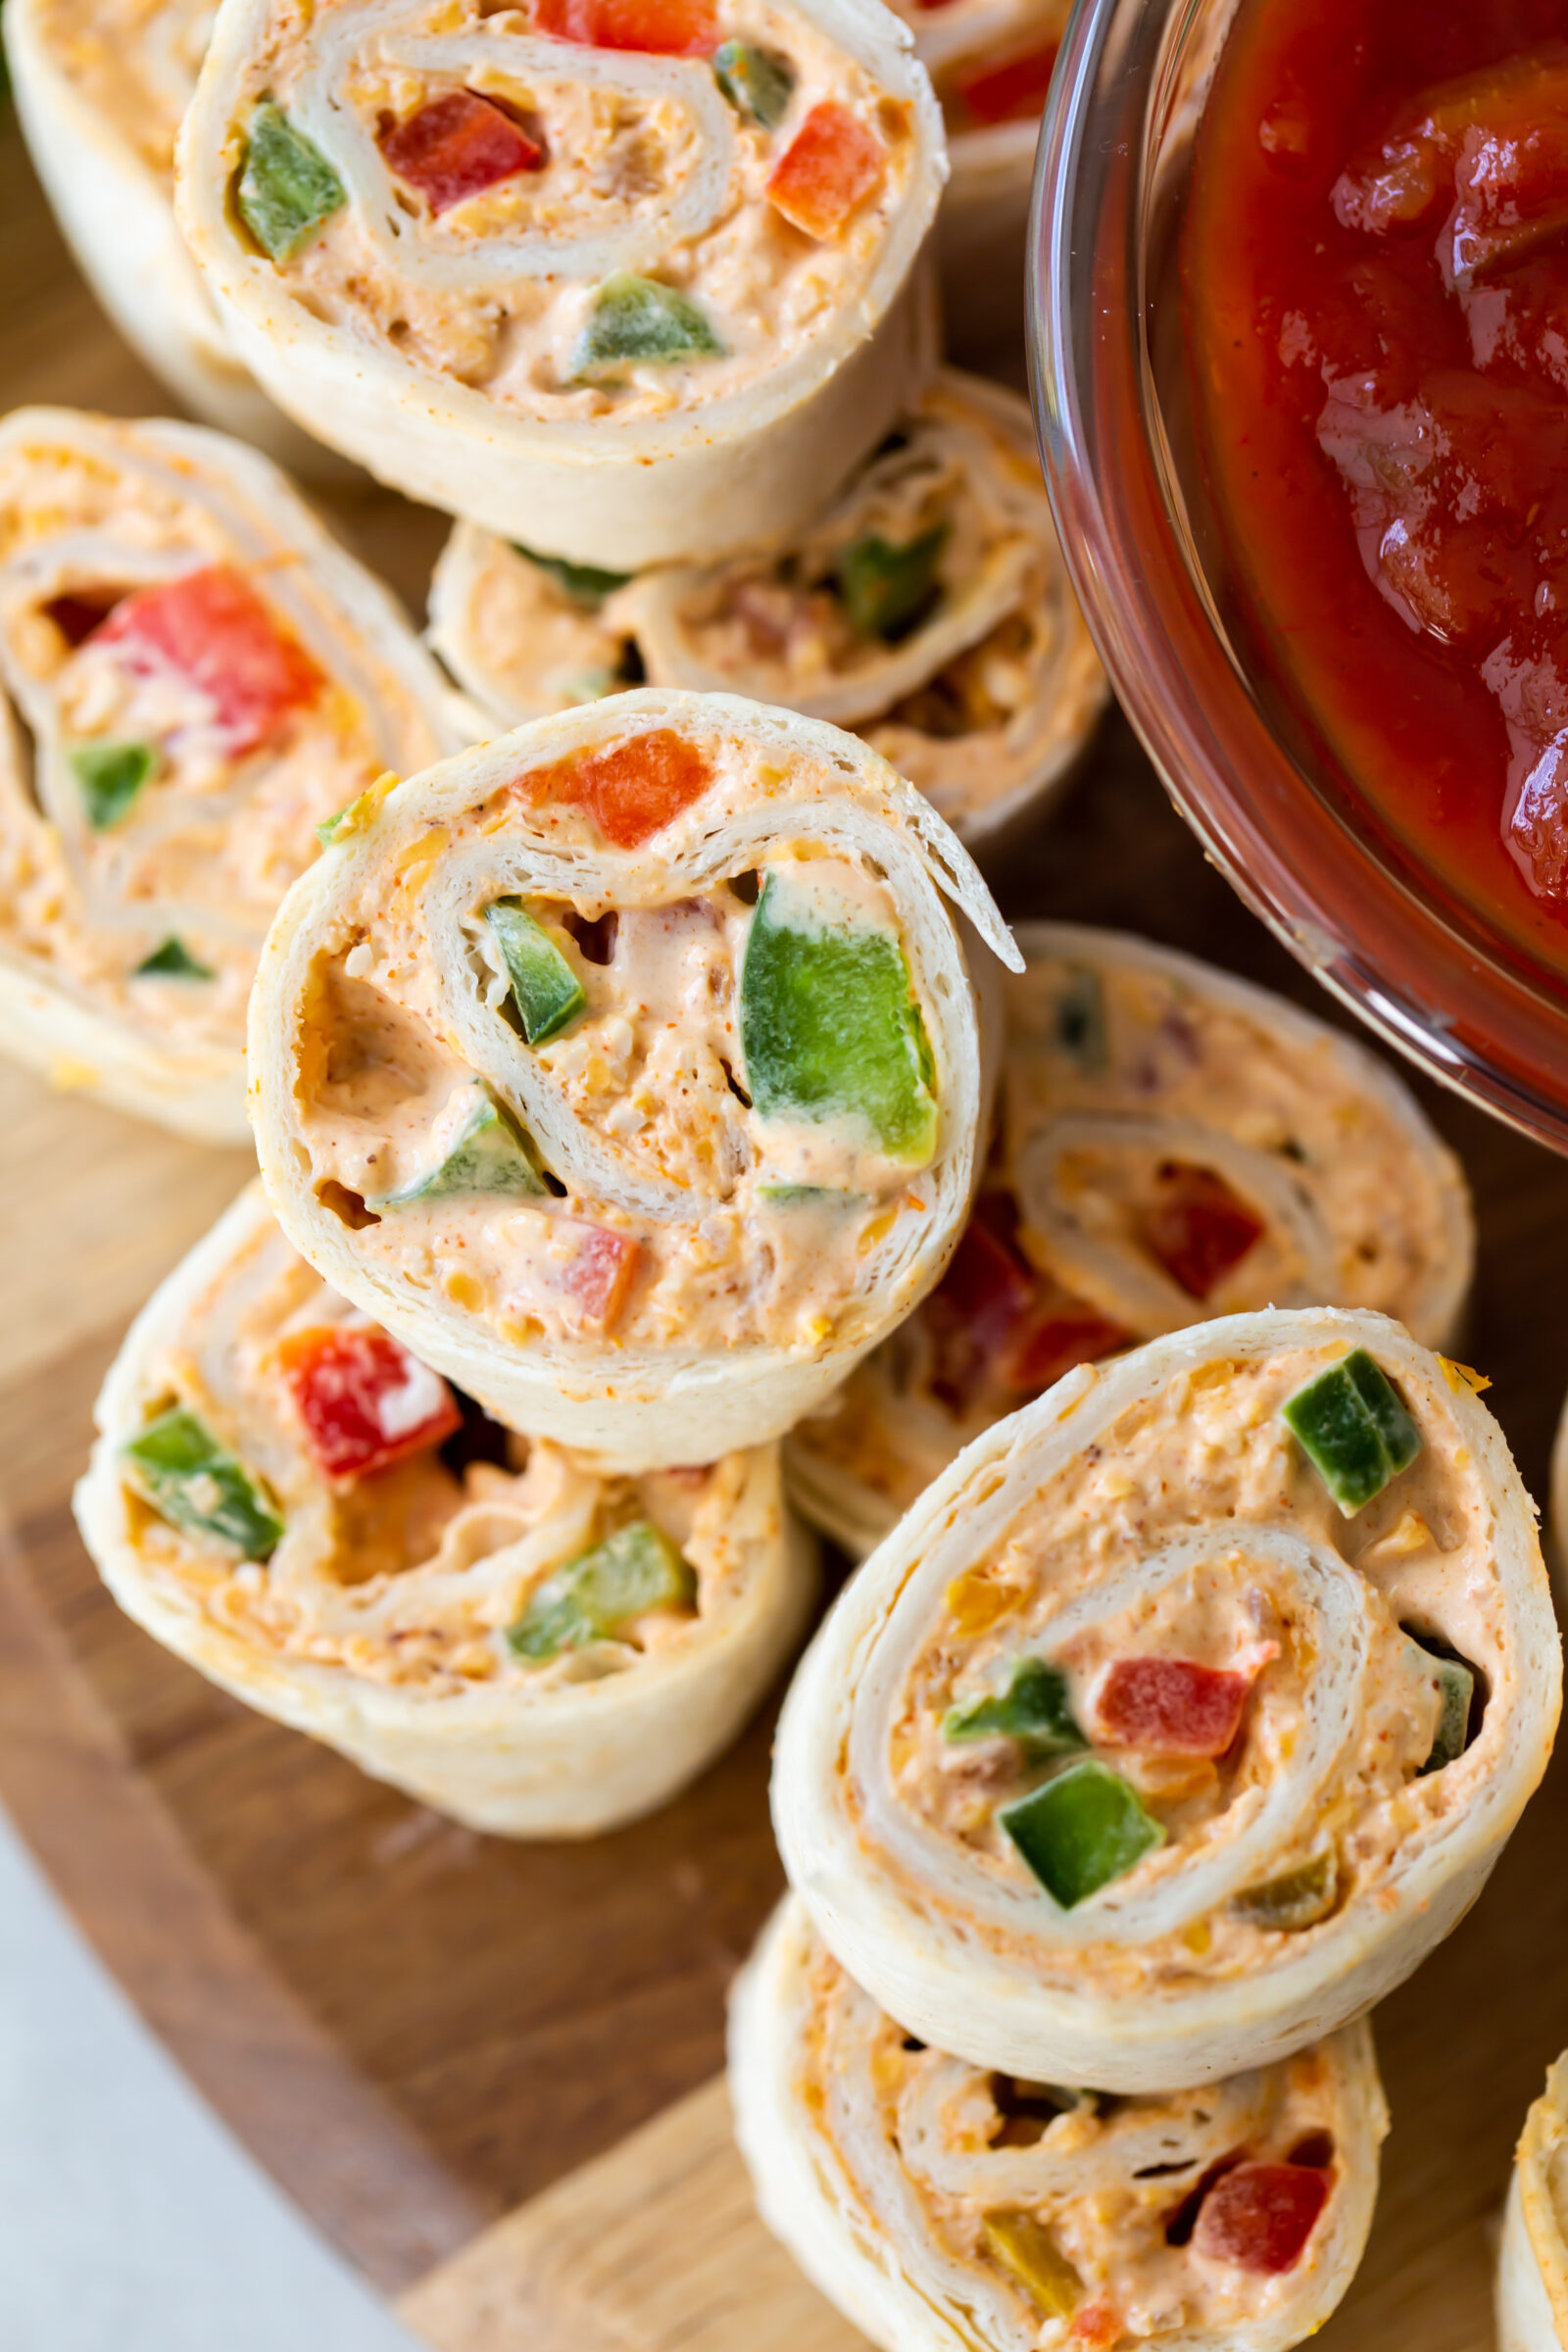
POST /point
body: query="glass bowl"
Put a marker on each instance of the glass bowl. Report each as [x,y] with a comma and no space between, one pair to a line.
[1109,394]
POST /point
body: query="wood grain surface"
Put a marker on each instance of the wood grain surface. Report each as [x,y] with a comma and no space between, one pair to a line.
[417,2029]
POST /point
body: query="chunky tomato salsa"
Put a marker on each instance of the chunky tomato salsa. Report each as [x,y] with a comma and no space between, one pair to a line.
[1375,278]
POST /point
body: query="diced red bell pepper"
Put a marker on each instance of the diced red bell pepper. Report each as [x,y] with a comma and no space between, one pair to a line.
[1172,1706]
[364,1400]
[1258,2217]
[457,146]
[1062,1331]
[599,1274]
[665,28]
[631,791]
[832,163]
[994,1322]
[1010,90]
[1198,1228]
[214,630]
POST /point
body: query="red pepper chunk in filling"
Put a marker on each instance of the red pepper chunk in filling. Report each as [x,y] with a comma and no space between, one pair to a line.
[631,791]
[1172,1706]
[598,1274]
[1258,2217]
[662,27]
[1010,91]
[365,1402]
[994,1322]
[214,630]
[457,147]
[1198,1228]
[830,164]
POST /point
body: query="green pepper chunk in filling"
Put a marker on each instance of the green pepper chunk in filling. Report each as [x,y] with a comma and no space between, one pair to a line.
[639,322]
[195,1484]
[1081,1830]
[1080,1010]
[1456,1690]
[545,988]
[173,960]
[756,81]
[288,188]
[1025,2248]
[491,1153]
[1033,1709]
[631,1574]
[887,591]
[1354,1427]
[1296,1899]
[110,777]
[807,1195]
[585,585]
[829,1024]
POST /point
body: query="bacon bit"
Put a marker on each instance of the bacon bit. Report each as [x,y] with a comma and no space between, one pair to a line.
[599,1274]
[665,28]
[364,1400]
[830,164]
[214,630]
[631,791]
[455,147]
[1097,2324]
[1261,2216]
[1171,1705]
[1011,91]
[993,1322]
[1198,1228]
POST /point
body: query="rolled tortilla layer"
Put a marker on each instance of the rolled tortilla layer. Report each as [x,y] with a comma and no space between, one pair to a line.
[195,675]
[634,284]
[630,1068]
[945,2209]
[1184,1713]
[991,63]
[456,1631]
[1532,2258]
[1172,1143]
[929,610]
[99,96]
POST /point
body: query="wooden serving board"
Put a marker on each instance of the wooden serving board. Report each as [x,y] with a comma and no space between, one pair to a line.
[487,2070]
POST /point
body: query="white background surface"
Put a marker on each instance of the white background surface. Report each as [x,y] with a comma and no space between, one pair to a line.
[129,2220]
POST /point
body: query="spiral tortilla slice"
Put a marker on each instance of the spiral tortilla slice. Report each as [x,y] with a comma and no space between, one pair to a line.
[1532,2258]
[929,610]
[195,675]
[630,1068]
[632,280]
[991,63]
[534,1648]
[100,90]
[1184,1713]
[1172,1143]
[946,2209]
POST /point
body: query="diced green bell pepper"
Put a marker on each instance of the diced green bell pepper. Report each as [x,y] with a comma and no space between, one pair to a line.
[887,591]
[1033,1709]
[288,188]
[195,1484]
[639,322]
[110,777]
[173,960]
[1296,1899]
[1081,1830]
[756,81]
[1456,1690]
[1081,1018]
[1025,2248]
[1354,1427]
[492,1153]
[632,1573]
[545,988]
[807,1195]
[829,1024]
[584,584]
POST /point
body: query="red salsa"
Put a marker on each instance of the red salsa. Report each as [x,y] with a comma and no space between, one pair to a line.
[1375,279]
